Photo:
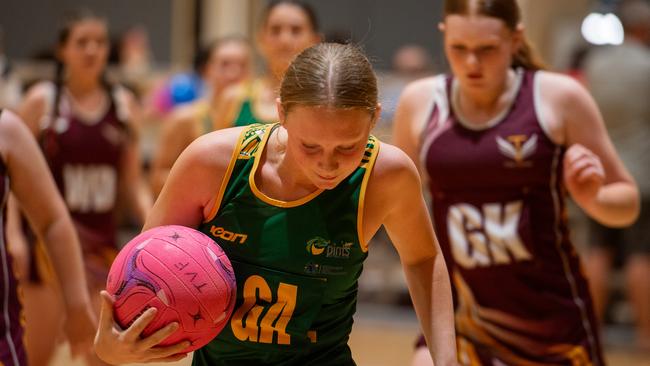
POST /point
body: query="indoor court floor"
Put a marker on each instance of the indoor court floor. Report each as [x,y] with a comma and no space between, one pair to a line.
[383,336]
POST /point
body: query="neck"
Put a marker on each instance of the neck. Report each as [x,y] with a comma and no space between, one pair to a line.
[214,94]
[81,86]
[487,100]
[287,171]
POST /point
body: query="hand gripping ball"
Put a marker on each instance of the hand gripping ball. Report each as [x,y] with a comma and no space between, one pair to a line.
[181,272]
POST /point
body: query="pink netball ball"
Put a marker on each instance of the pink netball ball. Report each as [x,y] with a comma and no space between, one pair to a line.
[181,272]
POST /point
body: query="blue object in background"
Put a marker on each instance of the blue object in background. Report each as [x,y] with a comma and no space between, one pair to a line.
[185,88]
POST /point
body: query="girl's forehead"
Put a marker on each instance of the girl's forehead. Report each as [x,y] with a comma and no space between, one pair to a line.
[350,123]
[89,25]
[461,27]
[473,21]
[286,13]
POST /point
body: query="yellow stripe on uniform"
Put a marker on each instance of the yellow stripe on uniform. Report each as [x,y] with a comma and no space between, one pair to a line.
[226,177]
[367,162]
[262,196]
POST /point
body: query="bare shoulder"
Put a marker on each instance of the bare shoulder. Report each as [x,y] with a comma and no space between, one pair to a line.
[37,103]
[39,96]
[420,89]
[128,107]
[213,150]
[569,100]
[9,123]
[13,133]
[414,106]
[41,91]
[560,89]
[393,171]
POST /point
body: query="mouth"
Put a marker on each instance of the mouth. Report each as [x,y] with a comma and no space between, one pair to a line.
[327,178]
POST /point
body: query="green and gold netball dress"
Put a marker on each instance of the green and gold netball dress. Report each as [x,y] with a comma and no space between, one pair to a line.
[246,112]
[296,263]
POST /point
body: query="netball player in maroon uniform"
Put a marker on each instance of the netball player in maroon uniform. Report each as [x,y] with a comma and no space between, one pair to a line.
[24,173]
[84,126]
[499,142]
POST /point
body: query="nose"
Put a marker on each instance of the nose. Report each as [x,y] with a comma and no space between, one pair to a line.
[234,71]
[472,59]
[92,48]
[286,38]
[329,163]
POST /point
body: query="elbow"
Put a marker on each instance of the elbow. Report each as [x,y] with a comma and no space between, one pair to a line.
[623,216]
[632,211]
[627,218]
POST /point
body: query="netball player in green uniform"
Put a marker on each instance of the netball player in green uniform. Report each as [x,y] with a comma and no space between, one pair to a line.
[287,28]
[293,205]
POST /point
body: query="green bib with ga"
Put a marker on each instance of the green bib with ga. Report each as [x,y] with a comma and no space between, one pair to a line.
[296,264]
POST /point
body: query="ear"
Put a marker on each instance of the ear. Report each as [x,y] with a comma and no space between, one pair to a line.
[375,116]
[518,37]
[281,112]
[442,27]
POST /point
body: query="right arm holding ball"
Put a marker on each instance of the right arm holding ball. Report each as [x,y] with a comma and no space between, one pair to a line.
[186,199]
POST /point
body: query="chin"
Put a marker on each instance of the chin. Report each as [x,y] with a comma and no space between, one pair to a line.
[329,186]
[325,184]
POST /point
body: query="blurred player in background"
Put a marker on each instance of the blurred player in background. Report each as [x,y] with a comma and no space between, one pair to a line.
[499,141]
[86,129]
[287,27]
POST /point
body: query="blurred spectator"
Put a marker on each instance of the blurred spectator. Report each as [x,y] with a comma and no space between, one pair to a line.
[410,62]
[134,55]
[224,63]
[619,78]
[9,83]
[285,29]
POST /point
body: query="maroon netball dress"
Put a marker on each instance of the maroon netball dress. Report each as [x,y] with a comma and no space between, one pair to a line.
[84,155]
[12,350]
[499,213]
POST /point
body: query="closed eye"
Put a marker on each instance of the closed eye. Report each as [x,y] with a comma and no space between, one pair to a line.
[485,49]
[310,149]
[347,148]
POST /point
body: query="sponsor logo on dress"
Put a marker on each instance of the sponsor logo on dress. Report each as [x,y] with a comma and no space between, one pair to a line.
[313,268]
[319,246]
[233,237]
[518,148]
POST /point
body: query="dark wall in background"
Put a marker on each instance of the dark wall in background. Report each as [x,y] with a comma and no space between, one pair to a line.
[30,26]
[381,26]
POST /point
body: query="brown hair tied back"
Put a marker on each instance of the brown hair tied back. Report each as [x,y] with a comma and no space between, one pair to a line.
[330,75]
